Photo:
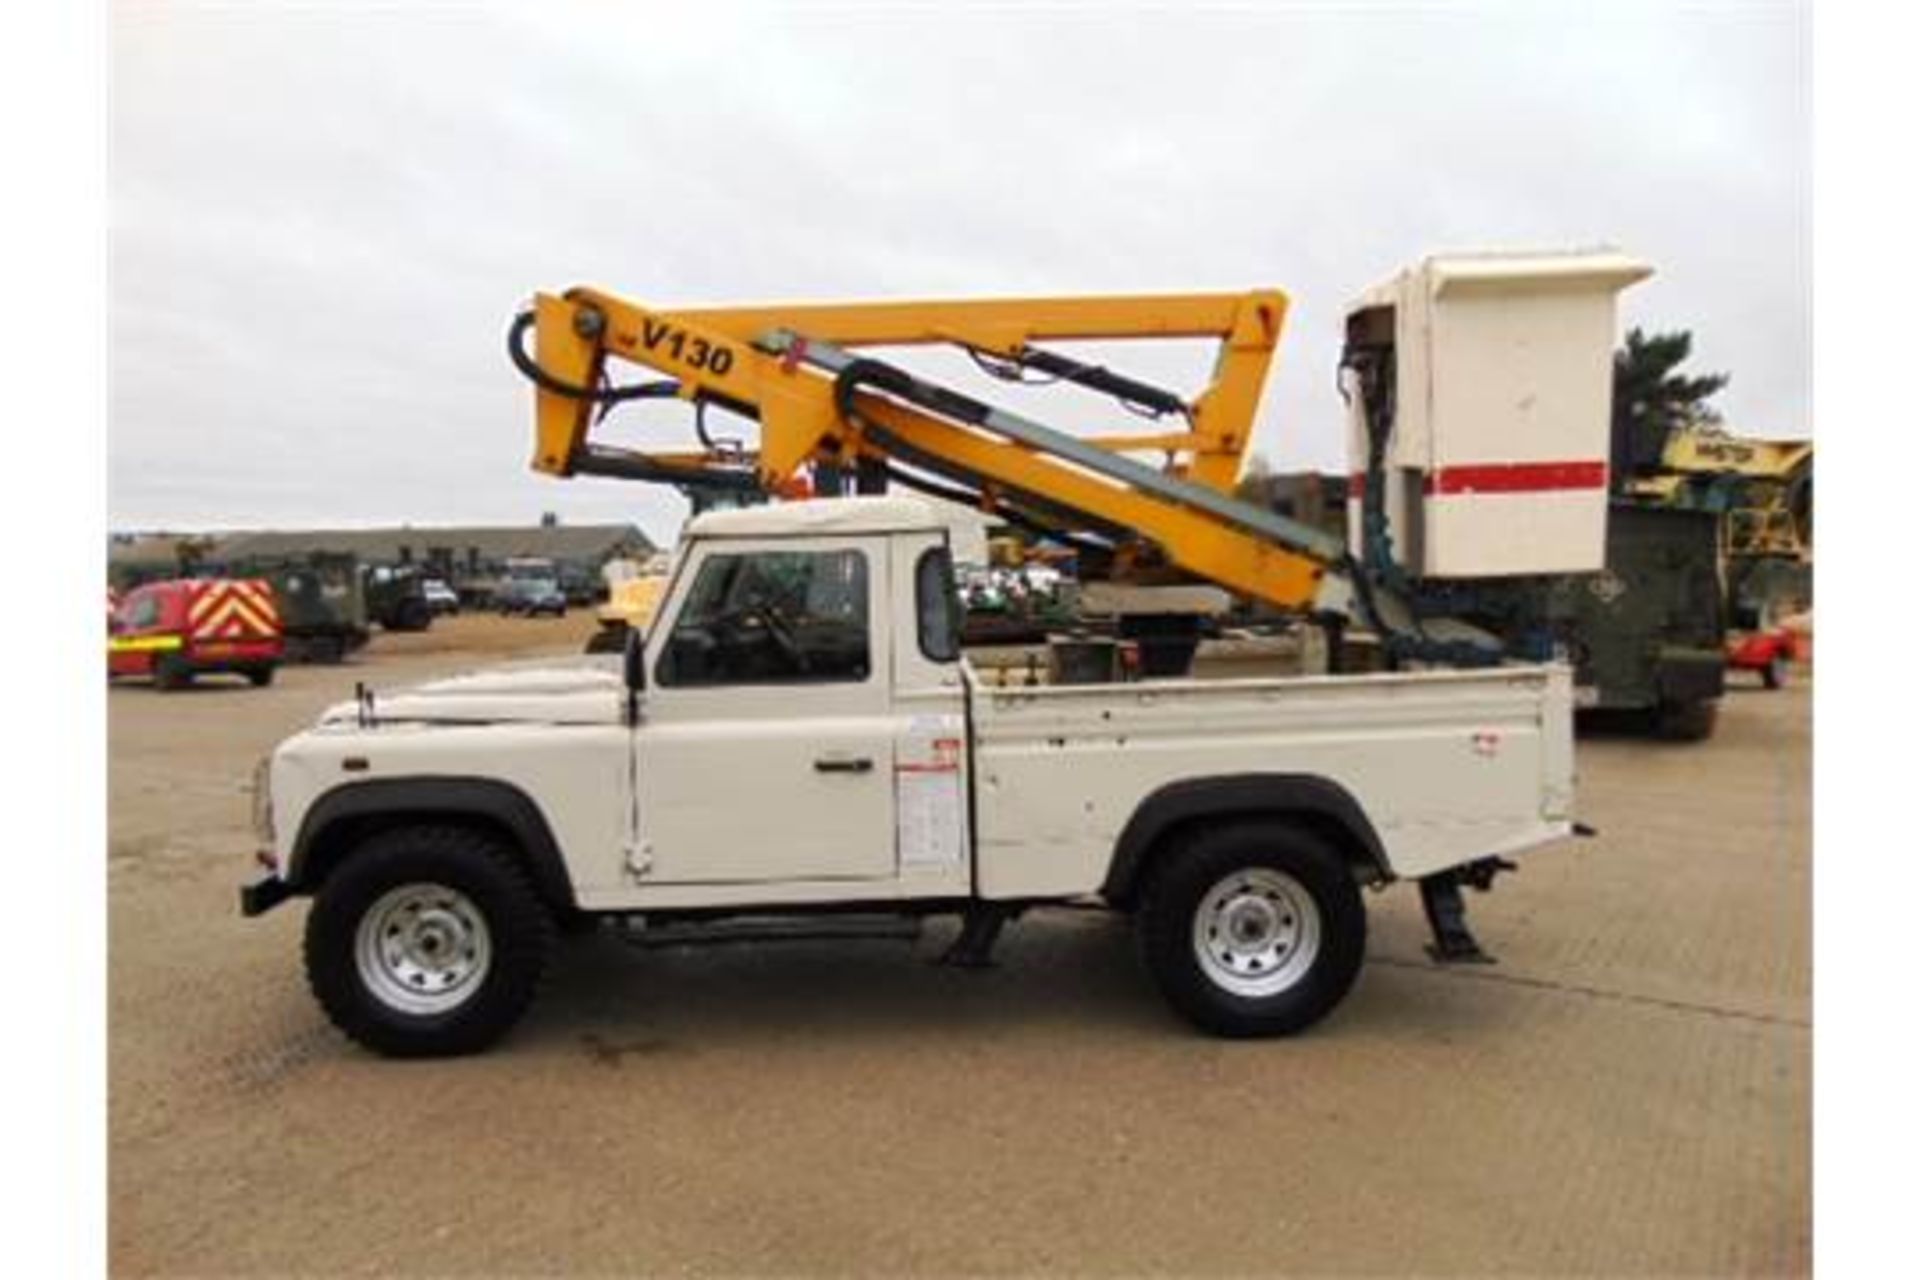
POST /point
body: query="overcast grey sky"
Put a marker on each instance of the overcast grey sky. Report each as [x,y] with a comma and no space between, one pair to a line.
[323,216]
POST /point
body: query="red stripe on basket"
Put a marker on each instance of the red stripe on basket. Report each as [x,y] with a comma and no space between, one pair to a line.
[1518,477]
[1503,477]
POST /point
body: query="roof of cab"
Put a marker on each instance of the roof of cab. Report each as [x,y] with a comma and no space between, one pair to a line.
[820,516]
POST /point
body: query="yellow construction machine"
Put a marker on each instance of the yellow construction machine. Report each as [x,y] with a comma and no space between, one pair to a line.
[634,592]
[1763,489]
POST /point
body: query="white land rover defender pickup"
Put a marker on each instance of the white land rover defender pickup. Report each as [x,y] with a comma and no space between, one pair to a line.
[800,733]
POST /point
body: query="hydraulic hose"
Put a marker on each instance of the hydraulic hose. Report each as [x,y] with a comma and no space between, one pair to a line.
[603,396]
[1376,569]
[1026,510]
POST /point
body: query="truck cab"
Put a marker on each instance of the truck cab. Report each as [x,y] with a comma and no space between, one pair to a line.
[801,732]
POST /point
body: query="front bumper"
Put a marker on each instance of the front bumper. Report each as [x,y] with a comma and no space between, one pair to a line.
[263,895]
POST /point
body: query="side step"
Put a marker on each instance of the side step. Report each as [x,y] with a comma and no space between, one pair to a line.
[758,929]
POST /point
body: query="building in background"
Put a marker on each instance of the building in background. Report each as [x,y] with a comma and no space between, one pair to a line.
[469,557]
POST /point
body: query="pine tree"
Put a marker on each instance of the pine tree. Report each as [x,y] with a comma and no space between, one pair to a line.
[1651,399]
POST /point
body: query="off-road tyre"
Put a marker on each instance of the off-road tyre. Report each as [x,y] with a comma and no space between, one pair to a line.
[259,677]
[1686,721]
[318,650]
[1192,874]
[411,614]
[484,873]
[1774,674]
[171,672]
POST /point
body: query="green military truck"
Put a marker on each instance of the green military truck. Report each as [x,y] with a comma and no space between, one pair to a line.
[396,597]
[1647,634]
[323,603]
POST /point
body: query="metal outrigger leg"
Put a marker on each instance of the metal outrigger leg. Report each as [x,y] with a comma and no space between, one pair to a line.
[980,928]
[1453,942]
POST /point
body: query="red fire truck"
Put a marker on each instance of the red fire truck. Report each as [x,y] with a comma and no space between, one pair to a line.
[174,631]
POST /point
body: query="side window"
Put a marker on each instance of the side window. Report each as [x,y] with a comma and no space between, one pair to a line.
[143,612]
[936,605]
[772,617]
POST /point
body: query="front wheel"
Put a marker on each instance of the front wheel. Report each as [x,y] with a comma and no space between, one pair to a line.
[1253,929]
[427,942]
[1774,674]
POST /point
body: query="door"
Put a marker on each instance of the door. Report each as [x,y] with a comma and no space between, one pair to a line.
[765,754]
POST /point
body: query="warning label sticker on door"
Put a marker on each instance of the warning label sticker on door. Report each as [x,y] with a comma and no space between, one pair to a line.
[931,815]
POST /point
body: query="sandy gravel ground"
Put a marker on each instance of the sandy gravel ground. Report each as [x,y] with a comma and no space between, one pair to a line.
[1626,1093]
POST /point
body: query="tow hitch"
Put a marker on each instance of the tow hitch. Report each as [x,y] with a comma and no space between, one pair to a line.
[1453,942]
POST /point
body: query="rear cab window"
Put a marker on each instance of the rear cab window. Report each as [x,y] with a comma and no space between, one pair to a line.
[936,605]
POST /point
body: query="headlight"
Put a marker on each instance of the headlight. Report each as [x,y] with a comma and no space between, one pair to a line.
[263,801]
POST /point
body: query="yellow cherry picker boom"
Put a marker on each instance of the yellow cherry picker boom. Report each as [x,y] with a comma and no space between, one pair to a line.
[1467,378]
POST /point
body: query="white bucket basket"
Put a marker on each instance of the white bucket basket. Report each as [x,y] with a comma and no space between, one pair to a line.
[1497,464]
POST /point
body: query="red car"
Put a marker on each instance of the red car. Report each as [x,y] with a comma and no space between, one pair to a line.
[1767,652]
[174,631]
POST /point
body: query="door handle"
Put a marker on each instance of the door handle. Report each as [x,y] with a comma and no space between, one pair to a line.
[843,764]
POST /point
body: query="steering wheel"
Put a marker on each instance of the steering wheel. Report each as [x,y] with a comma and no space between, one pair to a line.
[783,634]
[779,629]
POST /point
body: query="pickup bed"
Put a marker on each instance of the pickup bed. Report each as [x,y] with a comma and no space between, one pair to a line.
[800,733]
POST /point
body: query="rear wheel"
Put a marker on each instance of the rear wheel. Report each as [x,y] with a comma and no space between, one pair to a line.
[412,614]
[427,942]
[259,676]
[1253,929]
[1774,674]
[1686,721]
